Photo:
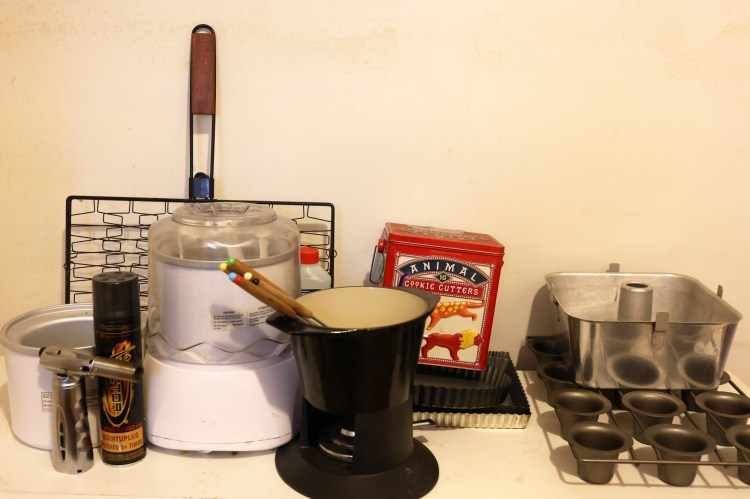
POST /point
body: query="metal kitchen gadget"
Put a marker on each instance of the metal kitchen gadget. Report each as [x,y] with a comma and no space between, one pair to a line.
[641,331]
[356,436]
[72,449]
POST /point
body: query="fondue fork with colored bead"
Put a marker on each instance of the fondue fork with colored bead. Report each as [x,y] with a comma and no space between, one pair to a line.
[242,269]
[268,285]
[267,291]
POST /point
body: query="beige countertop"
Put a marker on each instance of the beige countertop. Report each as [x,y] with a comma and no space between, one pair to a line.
[473,463]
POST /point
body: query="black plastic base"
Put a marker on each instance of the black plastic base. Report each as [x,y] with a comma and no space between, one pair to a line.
[315,475]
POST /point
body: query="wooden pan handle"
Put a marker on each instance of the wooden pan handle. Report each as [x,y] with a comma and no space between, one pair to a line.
[203,70]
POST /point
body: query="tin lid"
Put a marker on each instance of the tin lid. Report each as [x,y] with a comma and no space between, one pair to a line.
[444,238]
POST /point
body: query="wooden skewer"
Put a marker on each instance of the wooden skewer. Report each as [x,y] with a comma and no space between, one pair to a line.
[265,297]
[267,291]
[242,268]
[269,286]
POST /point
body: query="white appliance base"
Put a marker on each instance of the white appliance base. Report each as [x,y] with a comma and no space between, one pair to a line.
[206,408]
[202,447]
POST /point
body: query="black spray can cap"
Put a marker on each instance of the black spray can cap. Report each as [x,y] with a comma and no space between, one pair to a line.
[116,297]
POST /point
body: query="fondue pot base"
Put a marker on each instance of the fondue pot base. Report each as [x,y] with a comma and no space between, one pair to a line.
[314,475]
[357,377]
[399,468]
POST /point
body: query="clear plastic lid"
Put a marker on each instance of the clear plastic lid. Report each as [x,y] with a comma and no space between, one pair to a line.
[202,234]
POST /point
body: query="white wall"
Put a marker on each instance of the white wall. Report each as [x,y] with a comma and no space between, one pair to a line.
[578,133]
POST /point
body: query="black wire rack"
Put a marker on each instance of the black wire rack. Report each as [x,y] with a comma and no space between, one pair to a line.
[105,234]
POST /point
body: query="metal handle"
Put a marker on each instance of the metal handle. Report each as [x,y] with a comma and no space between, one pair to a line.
[202,102]
[116,369]
[76,363]
[72,451]
[380,264]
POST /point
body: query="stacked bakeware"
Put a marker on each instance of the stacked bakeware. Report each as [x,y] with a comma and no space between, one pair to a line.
[463,398]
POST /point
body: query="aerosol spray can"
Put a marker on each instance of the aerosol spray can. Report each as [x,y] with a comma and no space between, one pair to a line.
[117,335]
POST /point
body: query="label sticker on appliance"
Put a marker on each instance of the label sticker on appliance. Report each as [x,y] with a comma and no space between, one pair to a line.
[46,401]
[227,320]
[230,319]
[256,317]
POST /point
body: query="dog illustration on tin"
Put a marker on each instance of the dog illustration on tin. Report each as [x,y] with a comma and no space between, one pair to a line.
[451,308]
[452,341]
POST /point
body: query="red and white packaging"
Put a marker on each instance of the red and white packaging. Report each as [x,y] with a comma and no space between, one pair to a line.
[464,269]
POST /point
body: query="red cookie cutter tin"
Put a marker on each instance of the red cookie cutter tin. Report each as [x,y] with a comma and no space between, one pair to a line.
[464,269]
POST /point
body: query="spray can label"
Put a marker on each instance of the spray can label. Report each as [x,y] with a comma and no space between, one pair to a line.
[122,405]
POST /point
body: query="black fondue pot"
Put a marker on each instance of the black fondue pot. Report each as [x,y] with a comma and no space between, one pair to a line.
[365,360]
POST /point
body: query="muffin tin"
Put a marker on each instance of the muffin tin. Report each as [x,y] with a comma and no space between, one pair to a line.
[708,420]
